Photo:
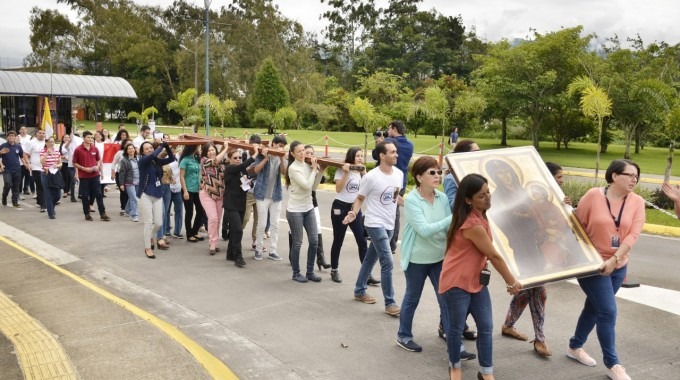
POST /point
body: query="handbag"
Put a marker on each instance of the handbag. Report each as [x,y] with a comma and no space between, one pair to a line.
[55,180]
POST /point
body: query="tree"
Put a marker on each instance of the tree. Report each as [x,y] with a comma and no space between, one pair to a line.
[184,105]
[284,118]
[143,117]
[364,114]
[594,103]
[673,130]
[269,93]
[434,106]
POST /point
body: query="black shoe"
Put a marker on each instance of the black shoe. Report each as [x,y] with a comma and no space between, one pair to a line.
[313,277]
[4,201]
[74,200]
[88,217]
[465,356]
[441,332]
[230,258]
[409,346]
[42,209]
[372,281]
[240,262]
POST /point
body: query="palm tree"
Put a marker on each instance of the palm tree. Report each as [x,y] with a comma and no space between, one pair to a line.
[594,103]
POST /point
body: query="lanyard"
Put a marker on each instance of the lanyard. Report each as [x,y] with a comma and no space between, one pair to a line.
[617,221]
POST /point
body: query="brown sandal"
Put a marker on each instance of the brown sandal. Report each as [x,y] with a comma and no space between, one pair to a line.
[513,333]
[163,246]
[541,348]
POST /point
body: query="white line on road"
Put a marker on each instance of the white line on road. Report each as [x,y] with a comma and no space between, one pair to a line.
[658,298]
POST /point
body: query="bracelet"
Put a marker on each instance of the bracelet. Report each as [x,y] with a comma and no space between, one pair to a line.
[510,286]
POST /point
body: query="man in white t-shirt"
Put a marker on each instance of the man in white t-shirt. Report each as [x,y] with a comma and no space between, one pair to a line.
[32,154]
[144,134]
[380,191]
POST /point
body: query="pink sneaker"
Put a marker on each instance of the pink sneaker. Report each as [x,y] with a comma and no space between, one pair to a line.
[617,372]
[580,355]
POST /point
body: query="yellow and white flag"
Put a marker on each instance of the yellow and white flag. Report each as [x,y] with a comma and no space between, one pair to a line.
[46,124]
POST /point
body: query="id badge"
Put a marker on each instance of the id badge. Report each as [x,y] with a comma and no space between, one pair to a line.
[616,241]
[158,183]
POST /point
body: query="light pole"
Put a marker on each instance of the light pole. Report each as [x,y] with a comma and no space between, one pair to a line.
[207,67]
[195,51]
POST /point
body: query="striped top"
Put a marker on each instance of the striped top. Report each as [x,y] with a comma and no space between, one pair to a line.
[51,159]
[212,178]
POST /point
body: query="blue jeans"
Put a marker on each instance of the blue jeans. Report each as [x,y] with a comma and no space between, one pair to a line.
[176,200]
[166,212]
[297,221]
[599,312]
[416,274]
[457,303]
[52,195]
[379,249]
[131,206]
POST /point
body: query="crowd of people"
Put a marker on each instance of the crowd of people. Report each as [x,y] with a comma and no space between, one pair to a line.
[446,238]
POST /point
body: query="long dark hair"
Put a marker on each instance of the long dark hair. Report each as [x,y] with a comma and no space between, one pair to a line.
[291,159]
[467,188]
[125,144]
[189,150]
[351,155]
[205,147]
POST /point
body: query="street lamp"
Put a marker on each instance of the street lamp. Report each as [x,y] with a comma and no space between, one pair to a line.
[207,67]
[195,51]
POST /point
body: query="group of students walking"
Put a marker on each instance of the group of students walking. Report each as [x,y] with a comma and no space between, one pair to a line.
[446,238]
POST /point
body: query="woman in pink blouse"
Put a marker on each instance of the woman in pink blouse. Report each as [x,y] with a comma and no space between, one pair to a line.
[211,193]
[51,162]
[612,217]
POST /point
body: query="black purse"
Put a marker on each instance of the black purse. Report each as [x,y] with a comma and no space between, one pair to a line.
[55,181]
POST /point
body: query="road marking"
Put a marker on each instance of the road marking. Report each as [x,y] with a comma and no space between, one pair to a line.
[40,355]
[213,365]
[658,298]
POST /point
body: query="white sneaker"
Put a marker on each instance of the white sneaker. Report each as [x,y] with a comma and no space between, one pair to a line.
[581,356]
[617,372]
[258,255]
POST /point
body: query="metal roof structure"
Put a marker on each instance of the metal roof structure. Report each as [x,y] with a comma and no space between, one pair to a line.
[78,86]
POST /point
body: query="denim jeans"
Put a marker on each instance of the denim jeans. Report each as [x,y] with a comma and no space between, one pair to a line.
[131,206]
[297,221]
[12,182]
[339,210]
[166,212]
[176,200]
[416,274]
[51,194]
[379,249]
[599,312]
[457,303]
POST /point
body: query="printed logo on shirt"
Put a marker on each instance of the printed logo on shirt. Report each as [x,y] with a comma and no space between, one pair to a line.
[352,186]
[389,195]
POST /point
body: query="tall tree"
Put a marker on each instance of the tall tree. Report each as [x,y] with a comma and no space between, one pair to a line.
[269,93]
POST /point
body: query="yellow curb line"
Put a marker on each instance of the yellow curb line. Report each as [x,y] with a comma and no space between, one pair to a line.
[40,355]
[214,366]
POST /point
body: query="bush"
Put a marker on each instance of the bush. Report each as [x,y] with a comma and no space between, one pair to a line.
[576,189]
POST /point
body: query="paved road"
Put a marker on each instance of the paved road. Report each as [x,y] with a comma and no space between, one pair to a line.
[265,326]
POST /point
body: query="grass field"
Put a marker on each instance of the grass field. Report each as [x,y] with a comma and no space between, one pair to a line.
[579,155]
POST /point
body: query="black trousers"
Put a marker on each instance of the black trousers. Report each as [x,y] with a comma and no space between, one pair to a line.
[338,212]
[40,200]
[235,219]
[91,188]
[192,226]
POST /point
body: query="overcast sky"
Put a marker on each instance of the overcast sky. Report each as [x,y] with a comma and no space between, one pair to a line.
[493,19]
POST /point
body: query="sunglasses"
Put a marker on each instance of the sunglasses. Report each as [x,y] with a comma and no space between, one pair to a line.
[236,158]
[433,172]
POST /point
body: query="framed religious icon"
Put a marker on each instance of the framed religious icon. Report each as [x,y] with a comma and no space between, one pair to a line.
[536,232]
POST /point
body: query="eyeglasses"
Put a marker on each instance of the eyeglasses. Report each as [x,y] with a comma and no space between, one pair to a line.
[631,175]
[433,172]
[236,158]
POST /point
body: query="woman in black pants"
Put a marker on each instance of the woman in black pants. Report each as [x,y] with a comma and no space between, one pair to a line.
[347,187]
[189,175]
[235,201]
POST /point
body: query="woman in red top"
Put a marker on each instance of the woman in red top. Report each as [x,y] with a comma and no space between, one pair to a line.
[51,162]
[461,284]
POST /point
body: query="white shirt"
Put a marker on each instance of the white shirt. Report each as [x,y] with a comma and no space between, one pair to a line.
[24,140]
[349,192]
[75,142]
[33,149]
[381,192]
[137,142]
[177,186]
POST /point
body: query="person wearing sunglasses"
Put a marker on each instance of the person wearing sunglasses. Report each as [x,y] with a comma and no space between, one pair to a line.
[428,216]
[235,200]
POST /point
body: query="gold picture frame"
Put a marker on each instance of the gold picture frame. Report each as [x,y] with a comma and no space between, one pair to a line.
[538,235]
